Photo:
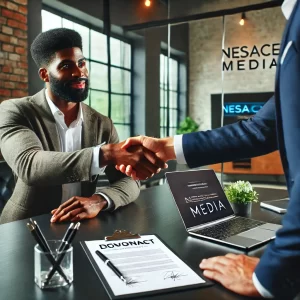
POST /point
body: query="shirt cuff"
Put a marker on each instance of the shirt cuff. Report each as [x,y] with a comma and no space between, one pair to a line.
[95,168]
[179,149]
[265,293]
[110,203]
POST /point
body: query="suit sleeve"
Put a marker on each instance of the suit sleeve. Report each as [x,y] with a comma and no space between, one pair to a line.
[122,189]
[278,270]
[248,138]
[24,153]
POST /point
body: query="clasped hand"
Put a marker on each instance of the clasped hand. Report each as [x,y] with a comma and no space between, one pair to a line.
[161,149]
[145,161]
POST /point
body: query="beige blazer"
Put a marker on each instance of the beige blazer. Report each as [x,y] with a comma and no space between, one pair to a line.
[30,144]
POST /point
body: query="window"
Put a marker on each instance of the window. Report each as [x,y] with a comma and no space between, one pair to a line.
[95,51]
[169,96]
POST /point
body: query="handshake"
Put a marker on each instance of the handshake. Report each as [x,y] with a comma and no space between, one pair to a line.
[139,157]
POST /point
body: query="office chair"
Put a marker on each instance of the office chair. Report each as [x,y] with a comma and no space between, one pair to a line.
[7,183]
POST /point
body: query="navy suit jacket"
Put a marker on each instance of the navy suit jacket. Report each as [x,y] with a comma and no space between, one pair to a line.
[276,125]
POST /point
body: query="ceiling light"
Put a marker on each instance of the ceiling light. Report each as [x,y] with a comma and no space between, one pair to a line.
[242,20]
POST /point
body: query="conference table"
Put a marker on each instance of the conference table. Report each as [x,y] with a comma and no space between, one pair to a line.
[154,212]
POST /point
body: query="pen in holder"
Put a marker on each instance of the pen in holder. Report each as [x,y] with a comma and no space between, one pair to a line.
[42,266]
[53,260]
[62,252]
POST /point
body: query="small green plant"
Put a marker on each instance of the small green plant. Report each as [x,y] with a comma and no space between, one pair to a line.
[241,192]
[188,125]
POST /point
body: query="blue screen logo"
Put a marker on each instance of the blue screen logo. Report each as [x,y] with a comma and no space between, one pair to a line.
[242,108]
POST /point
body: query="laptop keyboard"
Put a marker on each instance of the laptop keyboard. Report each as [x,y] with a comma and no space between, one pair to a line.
[229,228]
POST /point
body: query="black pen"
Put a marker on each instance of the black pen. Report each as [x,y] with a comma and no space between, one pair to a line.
[111,265]
[48,254]
[65,238]
[62,253]
[39,232]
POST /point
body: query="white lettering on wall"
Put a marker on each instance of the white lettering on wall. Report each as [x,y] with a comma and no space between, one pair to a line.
[247,58]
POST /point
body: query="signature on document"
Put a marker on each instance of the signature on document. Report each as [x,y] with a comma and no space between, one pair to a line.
[173,275]
[133,281]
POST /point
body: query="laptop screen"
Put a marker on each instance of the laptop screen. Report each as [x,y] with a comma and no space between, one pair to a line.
[199,196]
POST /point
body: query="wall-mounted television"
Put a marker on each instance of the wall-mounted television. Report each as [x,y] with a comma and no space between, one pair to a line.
[237,107]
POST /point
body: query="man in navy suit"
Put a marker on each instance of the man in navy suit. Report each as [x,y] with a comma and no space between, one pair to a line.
[276,125]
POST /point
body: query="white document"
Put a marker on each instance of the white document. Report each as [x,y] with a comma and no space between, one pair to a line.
[146,263]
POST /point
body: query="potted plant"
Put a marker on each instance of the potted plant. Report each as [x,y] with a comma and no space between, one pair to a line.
[241,195]
[187,125]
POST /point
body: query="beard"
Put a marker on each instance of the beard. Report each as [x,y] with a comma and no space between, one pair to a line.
[65,91]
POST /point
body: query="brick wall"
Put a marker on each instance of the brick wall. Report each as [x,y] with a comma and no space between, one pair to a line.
[261,27]
[13,49]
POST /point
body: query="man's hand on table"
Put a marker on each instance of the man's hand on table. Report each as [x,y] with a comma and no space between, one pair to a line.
[79,208]
[144,161]
[163,149]
[233,271]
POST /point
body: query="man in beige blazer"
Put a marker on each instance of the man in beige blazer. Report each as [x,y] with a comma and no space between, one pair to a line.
[52,141]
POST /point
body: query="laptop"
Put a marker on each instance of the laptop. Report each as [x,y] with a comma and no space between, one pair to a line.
[278,205]
[207,213]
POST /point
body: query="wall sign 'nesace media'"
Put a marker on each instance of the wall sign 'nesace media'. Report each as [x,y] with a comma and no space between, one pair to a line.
[251,58]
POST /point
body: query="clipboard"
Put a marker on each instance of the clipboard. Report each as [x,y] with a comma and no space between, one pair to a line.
[120,235]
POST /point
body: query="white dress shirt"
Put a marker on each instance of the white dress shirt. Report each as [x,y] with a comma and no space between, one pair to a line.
[70,140]
[287,9]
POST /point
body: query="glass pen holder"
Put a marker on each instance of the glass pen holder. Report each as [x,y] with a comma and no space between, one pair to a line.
[43,266]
